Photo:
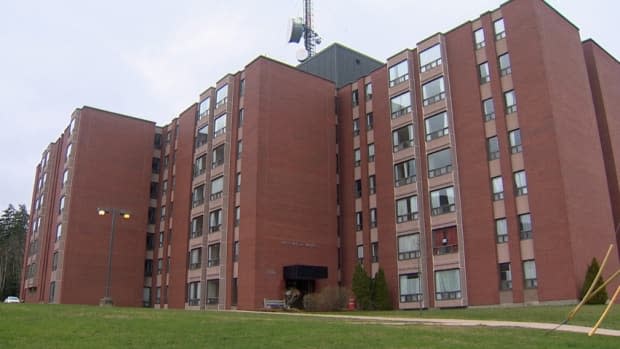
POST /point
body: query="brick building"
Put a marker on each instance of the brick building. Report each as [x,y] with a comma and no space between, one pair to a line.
[477,168]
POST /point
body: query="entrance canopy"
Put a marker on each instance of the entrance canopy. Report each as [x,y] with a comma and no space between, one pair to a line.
[304,272]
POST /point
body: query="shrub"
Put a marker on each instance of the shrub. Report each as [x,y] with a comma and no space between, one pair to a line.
[329,299]
[600,297]
[380,292]
[362,288]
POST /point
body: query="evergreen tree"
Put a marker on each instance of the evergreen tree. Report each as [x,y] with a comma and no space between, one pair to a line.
[13,225]
[361,287]
[380,292]
[600,297]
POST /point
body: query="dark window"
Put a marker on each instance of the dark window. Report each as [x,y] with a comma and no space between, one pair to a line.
[439,163]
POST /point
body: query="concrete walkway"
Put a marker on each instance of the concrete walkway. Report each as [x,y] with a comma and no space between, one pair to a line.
[450,322]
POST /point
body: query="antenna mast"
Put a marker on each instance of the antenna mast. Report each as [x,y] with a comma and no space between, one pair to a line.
[303,27]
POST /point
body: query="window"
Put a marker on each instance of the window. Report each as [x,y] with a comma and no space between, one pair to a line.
[358,188]
[479,38]
[504,64]
[157,295]
[433,91]
[200,165]
[55,261]
[217,187]
[371,152]
[485,75]
[368,91]
[402,138]
[488,109]
[221,96]
[160,265]
[68,151]
[218,156]
[237,216]
[400,105]
[193,293]
[203,109]
[52,292]
[61,204]
[500,30]
[447,284]
[72,126]
[492,148]
[501,230]
[430,58]
[197,223]
[525,226]
[372,184]
[529,272]
[198,195]
[404,173]
[355,98]
[505,276]
[154,190]
[203,136]
[357,157]
[215,220]
[436,126]
[148,267]
[407,209]
[241,87]
[358,221]
[442,201]
[399,73]
[236,251]
[238,182]
[439,163]
[410,288]
[162,213]
[511,101]
[151,215]
[166,161]
[373,217]
[445,241]
[497,187]
[520,183]
[157,141]
[356,127]
[213,255]
[360,254]
[150,241]
[65,177]
[220,125]
[195,258]
[58,231]
[374,252]
[370,122]
[515,141]
[213,291]
[240,117]
[408,247]
[161,239]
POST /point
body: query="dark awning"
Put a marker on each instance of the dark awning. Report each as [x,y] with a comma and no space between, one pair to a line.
[304,272]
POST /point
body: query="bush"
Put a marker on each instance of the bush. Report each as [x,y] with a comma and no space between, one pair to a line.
[329,299]
[380,292]
[362,288]
[600,297]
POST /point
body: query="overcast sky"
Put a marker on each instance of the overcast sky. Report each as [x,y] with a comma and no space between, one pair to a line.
[151,59]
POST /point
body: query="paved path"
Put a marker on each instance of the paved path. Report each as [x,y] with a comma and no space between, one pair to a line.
[451,322]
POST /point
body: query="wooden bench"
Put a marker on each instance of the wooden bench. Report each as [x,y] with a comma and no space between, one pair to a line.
[273,303]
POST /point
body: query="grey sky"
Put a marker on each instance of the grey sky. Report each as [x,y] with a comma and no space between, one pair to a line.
[151,59]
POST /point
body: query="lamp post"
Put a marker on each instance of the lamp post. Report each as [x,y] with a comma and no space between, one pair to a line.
[107,298]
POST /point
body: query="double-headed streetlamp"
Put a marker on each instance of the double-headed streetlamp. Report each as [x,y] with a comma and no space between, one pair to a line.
[107,298]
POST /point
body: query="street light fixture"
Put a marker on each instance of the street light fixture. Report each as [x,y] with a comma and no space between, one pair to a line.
[107,298]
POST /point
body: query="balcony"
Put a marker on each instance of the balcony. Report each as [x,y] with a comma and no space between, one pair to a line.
[445,249]
[521,191]
[443,209]
[498,196]
[197,202]
[403,256]
[439,171]
[213,262]
[403,145]
[215,196]
[400,112]
[511,109]
[525,234]
[505,285]
[431,65]
[195,234]
[437,134]
[399,80]
[531,283]
[434,99]
[212,300]
[221,103]
[215,228]
[193,302]
[410,216]
[489,116]
[221,131]
[502,238]
[409,298]
[193,266]
[444,296]
[217,162]
[404,181]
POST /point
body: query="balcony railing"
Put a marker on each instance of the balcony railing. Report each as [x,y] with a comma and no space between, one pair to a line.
[212,300]
[525,234]
[503,238]
[215,196]
[521,191]
[480,45]
[410,298]
[489,116]
[193,266]
[198,171]
[446,249]
[400,112]
[505,285]
[403,145]
[197,202]
[437,134]
[408,255]
[215,228]
[221,103]
[404,181]
[505,71]
[531,283]
[434,99]
[193,302]
[516,149]
[358,227]
[213,262]
[511,109]
[484,79]
[431,65]
[195,234]
[443,209]
[217,162]
[399,79]
[443,296]
[409,216]
[221,131]
[498,196]
[436,172]
[500,36]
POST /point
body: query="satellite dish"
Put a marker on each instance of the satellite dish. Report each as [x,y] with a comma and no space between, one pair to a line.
[302,54]
[295,29]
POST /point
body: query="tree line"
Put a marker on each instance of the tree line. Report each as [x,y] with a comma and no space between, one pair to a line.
[13,227]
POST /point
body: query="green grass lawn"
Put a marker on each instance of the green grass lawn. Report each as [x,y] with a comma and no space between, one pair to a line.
[587,316]
[65,326]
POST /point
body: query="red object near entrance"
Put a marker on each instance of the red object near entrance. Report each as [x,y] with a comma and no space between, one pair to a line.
[351,305]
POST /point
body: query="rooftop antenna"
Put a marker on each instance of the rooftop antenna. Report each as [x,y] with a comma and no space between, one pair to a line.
[299,27]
